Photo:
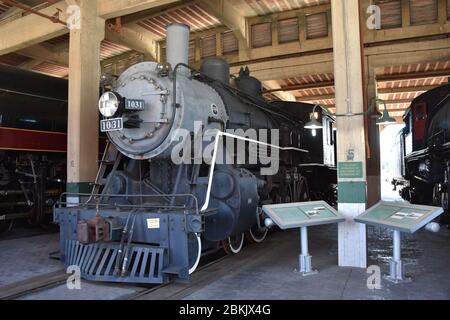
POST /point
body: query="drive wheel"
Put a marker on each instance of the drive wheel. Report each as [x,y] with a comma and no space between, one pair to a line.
[233,245]
[195,251]
[257,234]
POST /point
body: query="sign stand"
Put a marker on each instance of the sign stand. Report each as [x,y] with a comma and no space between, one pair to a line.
[397,269]
[305,260]
[399,217]
[301,216]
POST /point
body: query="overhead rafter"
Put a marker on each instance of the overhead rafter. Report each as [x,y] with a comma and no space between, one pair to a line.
[18,34]
[135,38]
[297,87]
[44,53]
[117,8]
[316,98]
[405,89]
[273,85]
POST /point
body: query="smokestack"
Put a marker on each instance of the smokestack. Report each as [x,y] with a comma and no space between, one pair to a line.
[177,46]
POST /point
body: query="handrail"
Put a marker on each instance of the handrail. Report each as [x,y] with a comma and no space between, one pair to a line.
[60,203]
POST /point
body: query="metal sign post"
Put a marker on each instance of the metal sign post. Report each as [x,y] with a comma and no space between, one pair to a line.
[305,259]
[399,217]
[396,264]
[302,215]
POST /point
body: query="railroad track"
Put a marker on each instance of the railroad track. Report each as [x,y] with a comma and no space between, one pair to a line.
[217,264]
[53,279]
[32,285]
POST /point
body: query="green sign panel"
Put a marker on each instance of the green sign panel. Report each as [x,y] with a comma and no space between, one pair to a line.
[350,170]
[304,214]
[352,192]
[399,216]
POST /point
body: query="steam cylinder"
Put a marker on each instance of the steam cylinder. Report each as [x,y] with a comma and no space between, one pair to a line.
[177,50]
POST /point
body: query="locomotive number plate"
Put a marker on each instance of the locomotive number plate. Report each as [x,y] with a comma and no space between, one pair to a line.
[134,104]
[109,125]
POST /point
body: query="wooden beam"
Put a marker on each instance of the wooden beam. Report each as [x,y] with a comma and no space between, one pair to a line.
[299,87]
[273,85]
[108,9]
[43,53]
[397,109]
[316,98]
[405,89]
[135,38]
[31,29]
[289,67]
[396,101]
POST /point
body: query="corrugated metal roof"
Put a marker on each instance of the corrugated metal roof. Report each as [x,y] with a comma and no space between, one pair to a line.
[13,59]
[413,83]
[191,14]
[320,88]
[109,49]
[52,69]
[264,7]
[409,89]
[414,68]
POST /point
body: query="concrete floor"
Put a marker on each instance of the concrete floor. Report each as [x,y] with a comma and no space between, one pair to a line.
[26,257]
[272,276]
[266,271]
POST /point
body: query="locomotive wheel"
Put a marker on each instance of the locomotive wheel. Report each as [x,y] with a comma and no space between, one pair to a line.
[195,251]
[256,235]
[233,245]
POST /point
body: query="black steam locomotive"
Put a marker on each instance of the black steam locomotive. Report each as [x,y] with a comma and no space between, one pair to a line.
[33,142]
[193,158]
[426,149]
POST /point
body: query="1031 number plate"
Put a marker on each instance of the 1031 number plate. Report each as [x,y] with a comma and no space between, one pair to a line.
[109,125]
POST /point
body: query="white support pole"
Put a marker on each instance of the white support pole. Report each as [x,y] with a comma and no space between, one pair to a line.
[305,263]
[304,241]
[397,245]
[396,265]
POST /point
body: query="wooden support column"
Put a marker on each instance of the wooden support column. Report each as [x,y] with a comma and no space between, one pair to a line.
[350,129]
[84,80]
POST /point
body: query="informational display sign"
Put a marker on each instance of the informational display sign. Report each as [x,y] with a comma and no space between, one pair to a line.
[399,216]
[304,214]
[350,170]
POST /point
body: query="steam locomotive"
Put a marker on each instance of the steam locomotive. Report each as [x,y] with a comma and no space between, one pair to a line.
[33,142]
[425,142]
[175,180]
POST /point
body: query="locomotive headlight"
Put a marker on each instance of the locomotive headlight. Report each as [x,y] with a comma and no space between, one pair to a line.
[109,104]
